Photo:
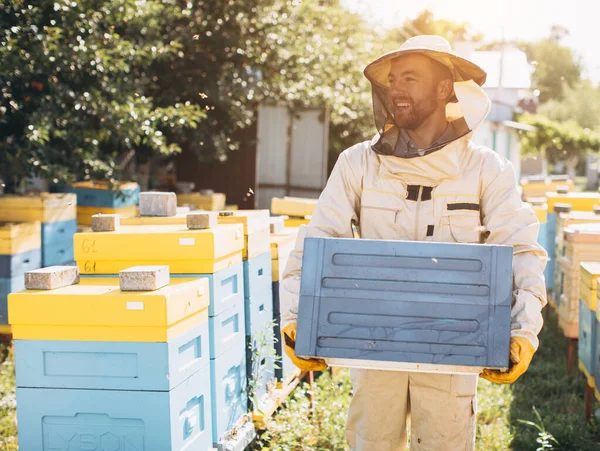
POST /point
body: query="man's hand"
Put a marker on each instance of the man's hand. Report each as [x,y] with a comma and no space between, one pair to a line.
[289,343]
[521,353]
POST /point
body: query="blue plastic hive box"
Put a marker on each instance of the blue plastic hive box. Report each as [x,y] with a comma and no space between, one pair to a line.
[229,389]
[285,365]
[111,365]
[18,264]
[8,286]
[226,288]
[92,197]
[587,337]
[57,242]
[258,289]
[72,419]
[550,248]
[226,329]
[260,365]
[410,302]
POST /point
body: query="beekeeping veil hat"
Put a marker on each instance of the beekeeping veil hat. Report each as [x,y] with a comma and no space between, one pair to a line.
[467,107]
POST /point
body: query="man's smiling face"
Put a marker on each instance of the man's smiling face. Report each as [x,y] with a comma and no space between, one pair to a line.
[414,90]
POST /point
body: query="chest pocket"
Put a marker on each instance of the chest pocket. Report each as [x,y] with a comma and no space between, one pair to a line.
[380,214]
[461,221]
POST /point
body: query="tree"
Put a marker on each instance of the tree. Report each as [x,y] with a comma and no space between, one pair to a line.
[425,23]
[556,66]
[580,103]
[74,81]
[558,142]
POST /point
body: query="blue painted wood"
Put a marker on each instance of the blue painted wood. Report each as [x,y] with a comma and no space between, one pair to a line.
[276,301]
[90,197]
[111,365]
[229,389]
[550,244]
[260,365]
[285,364]
[57,253]
[18,264]
[226,329]
[77,420]
[258,288]
[226,288]
[59,231]
[405,301]
[587,337]
[8,286]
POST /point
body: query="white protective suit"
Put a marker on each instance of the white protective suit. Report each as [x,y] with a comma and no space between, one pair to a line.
[466,194]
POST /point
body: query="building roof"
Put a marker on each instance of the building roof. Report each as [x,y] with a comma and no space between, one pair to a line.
[516,71]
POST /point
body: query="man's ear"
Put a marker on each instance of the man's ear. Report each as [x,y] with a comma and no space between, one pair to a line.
[445,89]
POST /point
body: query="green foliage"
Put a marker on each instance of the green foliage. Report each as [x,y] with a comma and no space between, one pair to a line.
[565,142]
[545,439]
[8,402]
[297,427]
[580,103]
[261,349]
[75,79]
[556,66]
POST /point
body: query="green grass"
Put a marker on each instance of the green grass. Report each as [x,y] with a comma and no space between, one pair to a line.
[8,426]
[557,397]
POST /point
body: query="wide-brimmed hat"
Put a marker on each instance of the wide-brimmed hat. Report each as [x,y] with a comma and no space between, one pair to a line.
[436,48]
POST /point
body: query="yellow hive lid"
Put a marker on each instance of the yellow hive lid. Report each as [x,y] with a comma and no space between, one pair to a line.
[253,220]
[16,238]
[583,201]
[106,305]
[541,211]
[11,230]
[588,233]
[293,206]
[38,201]
[153,243]
[104,185]
[590,271]
[179,219]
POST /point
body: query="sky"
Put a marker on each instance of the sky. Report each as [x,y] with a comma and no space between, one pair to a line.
[517,19]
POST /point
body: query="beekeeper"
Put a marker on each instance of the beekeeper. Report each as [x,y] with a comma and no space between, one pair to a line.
[422,178]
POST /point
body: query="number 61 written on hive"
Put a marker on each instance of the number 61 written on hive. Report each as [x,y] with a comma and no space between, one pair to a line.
[88,246]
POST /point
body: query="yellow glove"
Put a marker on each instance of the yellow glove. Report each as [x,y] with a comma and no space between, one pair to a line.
[521,353]
[289,343]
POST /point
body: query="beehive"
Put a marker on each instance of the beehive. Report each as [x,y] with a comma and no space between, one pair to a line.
[590,271]
[98,365]
[564,220]
[293,206]
[212,202]
[184,251]
[581,244]
[434,307]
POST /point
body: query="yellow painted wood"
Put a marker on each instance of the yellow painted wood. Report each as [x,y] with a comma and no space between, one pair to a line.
[206,266]
[293,206]
[275,398]
[256,244]
[151,334]
[231,207]
[20,237]
[590,271]
[588,376]
[103,185]
[101,307]
[281,247]
[169,242]
[541,211]
[44,207]
[538,189]
[212,202]
[84,214]
[583,201]
[180,219]
[588,296]
[5,329]
[296,222]
[253,220]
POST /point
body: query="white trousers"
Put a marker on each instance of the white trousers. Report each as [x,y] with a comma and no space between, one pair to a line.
[441,408]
